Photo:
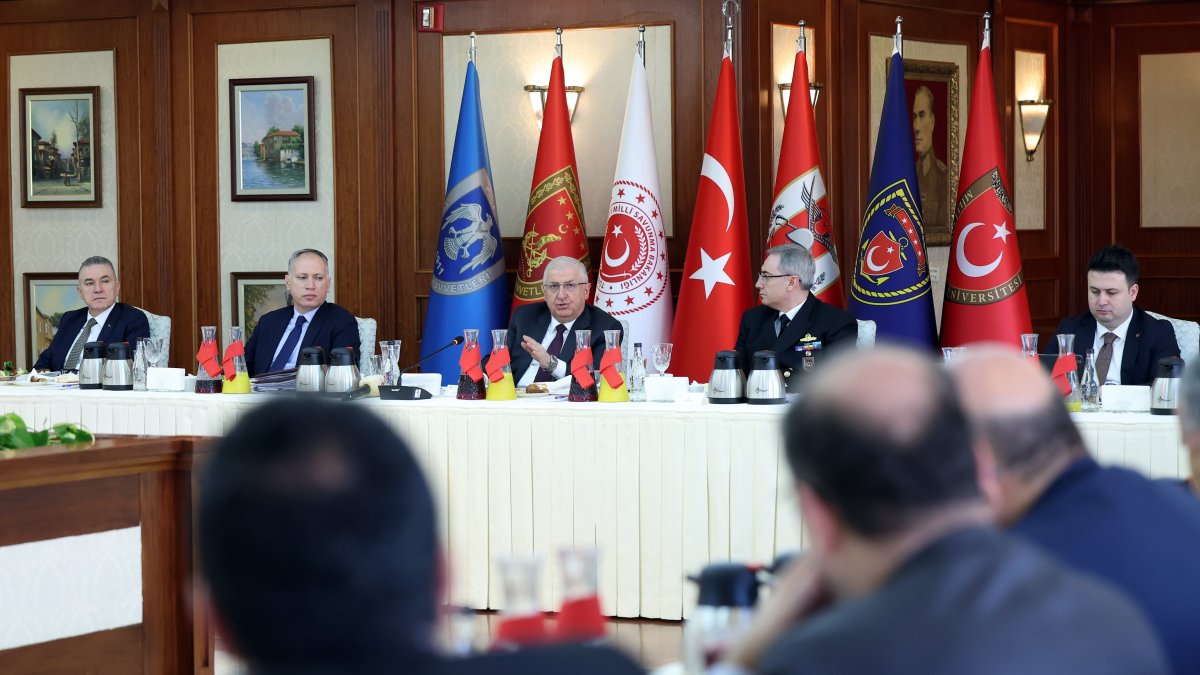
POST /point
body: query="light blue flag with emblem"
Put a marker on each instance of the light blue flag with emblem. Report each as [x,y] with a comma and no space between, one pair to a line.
[891,284]
[469,289]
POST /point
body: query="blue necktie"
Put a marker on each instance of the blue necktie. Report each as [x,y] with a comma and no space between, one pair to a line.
[289,345]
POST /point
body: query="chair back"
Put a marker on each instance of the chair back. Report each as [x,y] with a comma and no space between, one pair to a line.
[866,333]
[160,327]
[1187,336]
[366,340]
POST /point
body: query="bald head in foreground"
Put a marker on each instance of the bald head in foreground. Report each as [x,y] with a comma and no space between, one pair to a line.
[905,573]
[1141,535]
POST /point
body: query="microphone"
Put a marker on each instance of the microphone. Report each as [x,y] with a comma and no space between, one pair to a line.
[458,340]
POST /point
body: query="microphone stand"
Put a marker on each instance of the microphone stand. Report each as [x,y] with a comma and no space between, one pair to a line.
[401,392]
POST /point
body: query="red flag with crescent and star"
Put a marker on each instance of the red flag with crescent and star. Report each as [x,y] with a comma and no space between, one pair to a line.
[716,274]
[554,217]
[800,214]
[985,287]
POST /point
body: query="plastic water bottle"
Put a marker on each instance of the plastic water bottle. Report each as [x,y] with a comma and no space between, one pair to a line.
[637,374]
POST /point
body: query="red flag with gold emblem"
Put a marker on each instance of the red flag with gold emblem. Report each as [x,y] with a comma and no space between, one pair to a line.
[554,218]
[800,214]
[985,288]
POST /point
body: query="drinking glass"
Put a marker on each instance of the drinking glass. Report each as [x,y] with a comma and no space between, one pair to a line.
[1029,345]
[154,355]
[662,356]
[390,363]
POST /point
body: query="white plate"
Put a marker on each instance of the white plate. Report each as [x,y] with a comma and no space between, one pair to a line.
[521,393]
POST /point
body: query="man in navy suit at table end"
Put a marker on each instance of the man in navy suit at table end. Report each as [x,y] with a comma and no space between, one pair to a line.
[103,319]
[310,321]
[1126,341]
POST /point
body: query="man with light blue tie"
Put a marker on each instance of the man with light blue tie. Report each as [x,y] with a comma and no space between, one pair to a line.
[310,320]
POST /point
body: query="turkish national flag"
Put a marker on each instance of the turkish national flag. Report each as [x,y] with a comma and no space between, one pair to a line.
[716,274]
[554,217]
[985,289]
[800,214]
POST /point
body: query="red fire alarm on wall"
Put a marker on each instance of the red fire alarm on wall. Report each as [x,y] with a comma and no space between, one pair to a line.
[429,17]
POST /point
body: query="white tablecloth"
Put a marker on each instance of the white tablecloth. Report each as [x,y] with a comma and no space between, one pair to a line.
[659,489]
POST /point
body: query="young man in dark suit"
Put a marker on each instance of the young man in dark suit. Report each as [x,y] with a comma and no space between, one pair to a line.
[103,319]
[310,321]
[540,351]
[1126,341]
[319,552]
[790,318]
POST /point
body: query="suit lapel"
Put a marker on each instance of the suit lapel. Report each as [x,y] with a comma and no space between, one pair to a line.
[310,335]
[1133,343]
[797,328]
[107,329]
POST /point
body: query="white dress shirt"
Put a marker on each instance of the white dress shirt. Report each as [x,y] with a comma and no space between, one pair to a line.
[1118,349]
[294,356]
[560,371]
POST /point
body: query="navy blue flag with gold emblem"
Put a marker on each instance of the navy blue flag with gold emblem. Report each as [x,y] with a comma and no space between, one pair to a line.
[469,290]
[891,283]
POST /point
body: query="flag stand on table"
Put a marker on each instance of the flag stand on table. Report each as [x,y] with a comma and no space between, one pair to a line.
[468,288]
[891,284]
[634,282]
[715,290]
[985,288]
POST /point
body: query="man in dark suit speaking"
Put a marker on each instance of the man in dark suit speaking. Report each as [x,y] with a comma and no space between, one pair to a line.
[1126,341]
[541,338]
[790,319]
[310,321]
[103,319]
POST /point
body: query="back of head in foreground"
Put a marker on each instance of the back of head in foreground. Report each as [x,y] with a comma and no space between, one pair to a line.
[317,542]
[900,541]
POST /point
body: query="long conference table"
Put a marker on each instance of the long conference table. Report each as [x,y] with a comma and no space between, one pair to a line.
[660,489]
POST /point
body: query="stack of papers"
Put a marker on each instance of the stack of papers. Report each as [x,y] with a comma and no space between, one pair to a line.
[280,380]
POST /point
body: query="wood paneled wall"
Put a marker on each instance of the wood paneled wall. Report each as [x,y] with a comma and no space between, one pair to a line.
[387,84]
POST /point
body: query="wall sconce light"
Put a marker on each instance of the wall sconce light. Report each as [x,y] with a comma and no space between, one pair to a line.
[1033,123]
[785,93]
[537,100]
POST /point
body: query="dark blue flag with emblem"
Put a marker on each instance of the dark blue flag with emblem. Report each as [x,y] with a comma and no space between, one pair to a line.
[891,283]
[469,289]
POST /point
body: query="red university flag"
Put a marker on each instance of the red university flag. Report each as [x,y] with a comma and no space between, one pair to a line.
[716,274]
[985,288]
[554,218]
[800,214]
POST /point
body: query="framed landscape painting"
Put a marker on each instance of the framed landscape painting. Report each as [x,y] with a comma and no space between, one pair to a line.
[255,294]
[271,139]
[60,147]
[48,295]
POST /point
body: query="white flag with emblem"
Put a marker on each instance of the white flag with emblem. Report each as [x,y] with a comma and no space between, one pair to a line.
[634,283]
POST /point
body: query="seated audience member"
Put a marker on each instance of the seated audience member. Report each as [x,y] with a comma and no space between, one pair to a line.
[1189,422]
[309,322]
[103,319]
[905,573]
[541,337]
[1141,535]
[1126,341]
[318,548]
[790,317]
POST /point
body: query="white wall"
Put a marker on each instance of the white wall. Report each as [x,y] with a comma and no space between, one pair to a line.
[57,240]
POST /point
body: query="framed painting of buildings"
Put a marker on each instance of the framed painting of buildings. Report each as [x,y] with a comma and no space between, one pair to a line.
[255,294]
[271,139]
[60,147]
[48,295]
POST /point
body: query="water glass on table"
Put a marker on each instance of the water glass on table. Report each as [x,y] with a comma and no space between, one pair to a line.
[662,356]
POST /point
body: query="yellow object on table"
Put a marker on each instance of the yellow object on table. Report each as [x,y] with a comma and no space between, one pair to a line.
[503,390]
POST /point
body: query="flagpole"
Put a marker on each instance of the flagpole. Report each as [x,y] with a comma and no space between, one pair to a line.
[471,51]
[987,30]
[730,9]
[641,44]
[898,38]
[802,39]
[558,45]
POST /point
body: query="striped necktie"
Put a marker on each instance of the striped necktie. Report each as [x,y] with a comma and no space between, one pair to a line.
[72,362]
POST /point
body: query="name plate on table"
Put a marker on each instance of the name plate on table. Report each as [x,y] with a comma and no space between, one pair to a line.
[165,379]
[1125,398]
[659,388]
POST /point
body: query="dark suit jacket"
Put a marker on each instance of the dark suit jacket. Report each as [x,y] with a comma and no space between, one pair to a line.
[125,323]
[979,602]
[533,320]
[830,325]
[1140,535]
[1148,340]
[331,327]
